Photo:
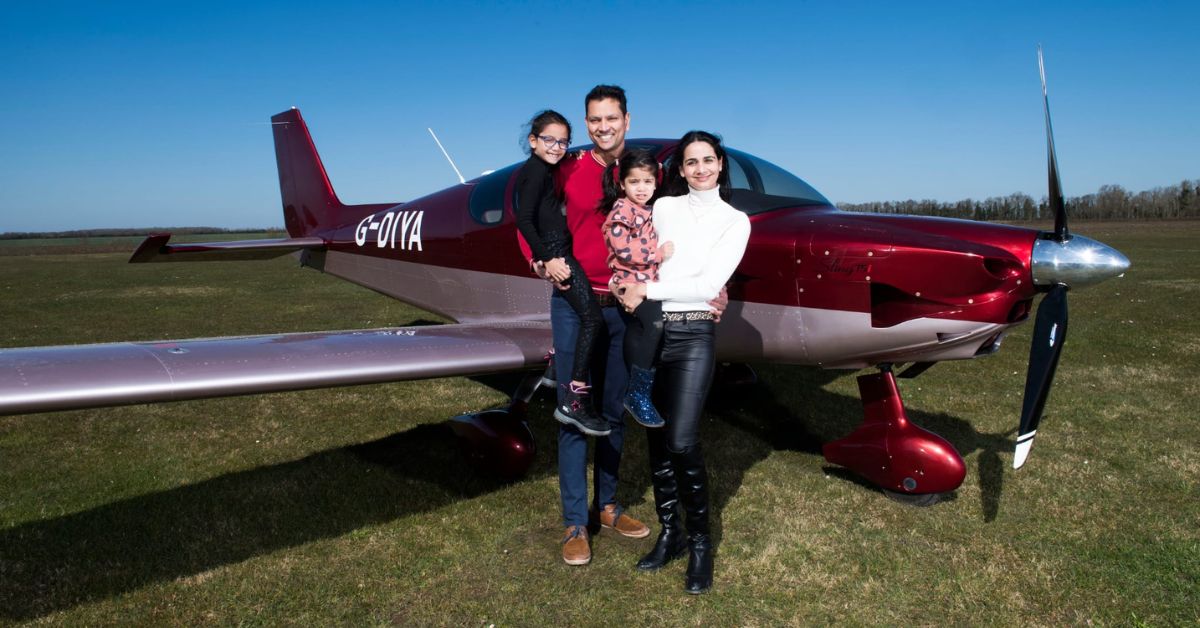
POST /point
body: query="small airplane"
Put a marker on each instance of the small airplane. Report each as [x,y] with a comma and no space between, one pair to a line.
[817,286]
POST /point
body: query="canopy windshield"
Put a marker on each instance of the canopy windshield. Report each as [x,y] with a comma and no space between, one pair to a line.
[761,186]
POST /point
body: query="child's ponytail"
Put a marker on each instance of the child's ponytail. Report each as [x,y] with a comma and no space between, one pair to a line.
[611,184]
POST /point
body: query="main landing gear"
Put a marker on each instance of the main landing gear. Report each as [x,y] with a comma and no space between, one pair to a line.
[499,442]
[910,464]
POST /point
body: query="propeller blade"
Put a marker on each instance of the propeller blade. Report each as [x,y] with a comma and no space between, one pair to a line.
[1049,334]
[1061,233]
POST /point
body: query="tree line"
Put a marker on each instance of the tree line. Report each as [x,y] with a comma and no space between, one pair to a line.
[108,233]
[1110,202]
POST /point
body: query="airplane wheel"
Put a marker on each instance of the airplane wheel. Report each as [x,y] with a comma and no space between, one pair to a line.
[923,500]
[496,442]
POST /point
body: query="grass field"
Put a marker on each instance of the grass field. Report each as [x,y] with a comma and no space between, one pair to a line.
[351,506]
[112,244]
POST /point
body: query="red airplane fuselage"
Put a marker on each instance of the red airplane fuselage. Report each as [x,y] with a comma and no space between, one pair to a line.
[816,286]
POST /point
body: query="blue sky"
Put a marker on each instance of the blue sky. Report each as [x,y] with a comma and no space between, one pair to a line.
[125,114]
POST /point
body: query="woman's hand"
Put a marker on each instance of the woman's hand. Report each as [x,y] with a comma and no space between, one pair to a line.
[719,304]
[631,295]
[666,251]
[558,270]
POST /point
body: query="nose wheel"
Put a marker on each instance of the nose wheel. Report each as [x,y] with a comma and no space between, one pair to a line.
[910,464]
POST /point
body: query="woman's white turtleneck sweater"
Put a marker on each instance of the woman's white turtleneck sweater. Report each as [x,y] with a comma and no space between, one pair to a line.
[710,237]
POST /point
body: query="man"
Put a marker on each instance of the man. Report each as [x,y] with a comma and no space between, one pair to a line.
[580,175]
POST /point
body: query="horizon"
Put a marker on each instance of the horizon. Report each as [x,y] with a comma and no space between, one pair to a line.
[138,114]
[202,228]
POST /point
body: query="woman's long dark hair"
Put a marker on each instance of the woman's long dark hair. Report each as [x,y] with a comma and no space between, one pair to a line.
[616,172]
[676,185]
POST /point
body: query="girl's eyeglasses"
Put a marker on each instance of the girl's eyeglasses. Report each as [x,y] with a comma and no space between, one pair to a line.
[550,142]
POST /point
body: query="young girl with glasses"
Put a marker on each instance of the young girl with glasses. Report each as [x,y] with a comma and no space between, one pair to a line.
[541,222]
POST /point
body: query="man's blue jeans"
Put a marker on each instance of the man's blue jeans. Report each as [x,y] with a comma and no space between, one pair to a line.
[608,393]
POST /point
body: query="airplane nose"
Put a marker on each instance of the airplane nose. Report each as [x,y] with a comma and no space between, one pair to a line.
[1076,262]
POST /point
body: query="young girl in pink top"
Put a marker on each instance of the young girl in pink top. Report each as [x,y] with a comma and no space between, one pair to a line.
[634,255]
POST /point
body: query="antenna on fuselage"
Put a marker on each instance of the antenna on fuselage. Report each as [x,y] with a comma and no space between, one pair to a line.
[439,143]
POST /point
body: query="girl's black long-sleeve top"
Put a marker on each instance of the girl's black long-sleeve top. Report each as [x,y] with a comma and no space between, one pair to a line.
[538,206]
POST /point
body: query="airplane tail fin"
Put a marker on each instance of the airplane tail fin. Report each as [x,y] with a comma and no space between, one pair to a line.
[309,202]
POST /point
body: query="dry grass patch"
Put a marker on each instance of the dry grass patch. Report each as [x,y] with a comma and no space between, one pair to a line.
[150,292]
[1185,285]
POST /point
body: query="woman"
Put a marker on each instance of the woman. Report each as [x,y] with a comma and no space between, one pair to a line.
[710,237]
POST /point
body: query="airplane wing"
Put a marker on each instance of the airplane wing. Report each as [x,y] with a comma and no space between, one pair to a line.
[44,379]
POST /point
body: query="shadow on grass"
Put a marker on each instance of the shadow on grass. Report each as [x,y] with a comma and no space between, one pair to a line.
[59,563]
[63,562]
[770,411]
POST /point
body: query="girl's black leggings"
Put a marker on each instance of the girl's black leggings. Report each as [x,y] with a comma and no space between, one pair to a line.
[643,332]
[581,298]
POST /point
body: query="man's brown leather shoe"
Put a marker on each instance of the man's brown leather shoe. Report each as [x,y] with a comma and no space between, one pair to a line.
[575,546]
[613,517]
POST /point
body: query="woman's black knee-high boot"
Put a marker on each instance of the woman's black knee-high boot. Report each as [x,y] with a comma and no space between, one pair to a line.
[671,541]
[693,491]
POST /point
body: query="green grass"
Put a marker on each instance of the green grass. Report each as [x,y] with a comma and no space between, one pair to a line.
[350,506]
[113,244]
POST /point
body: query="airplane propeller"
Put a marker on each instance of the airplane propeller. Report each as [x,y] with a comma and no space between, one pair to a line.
[1060,261]
[1056,197]
[1049,333]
